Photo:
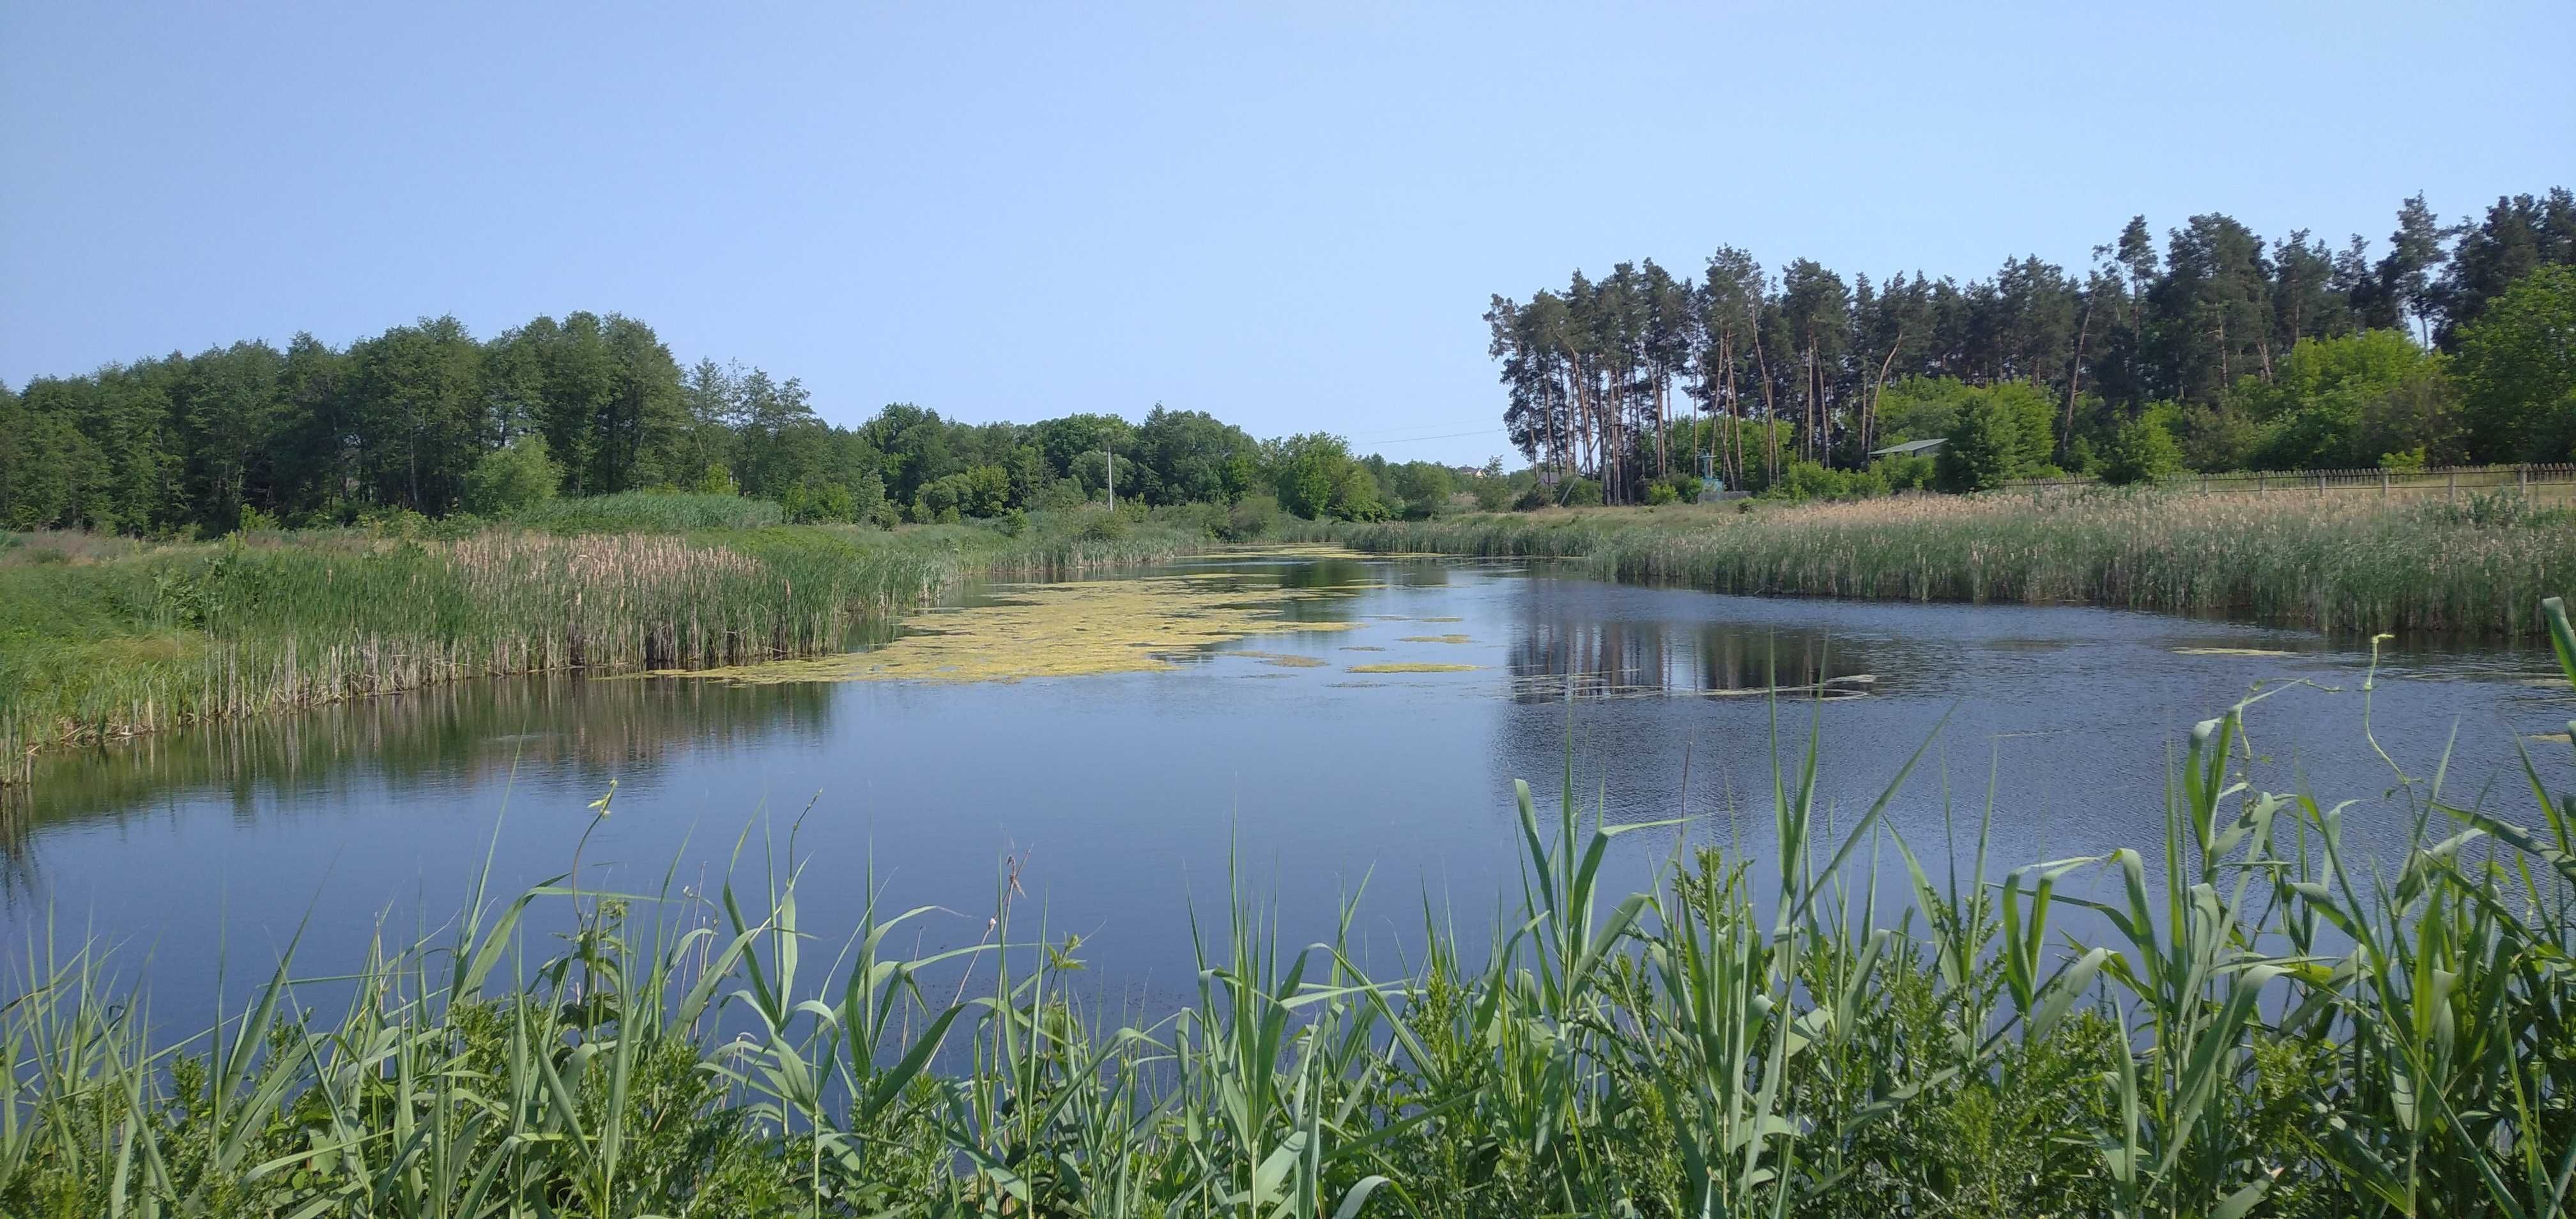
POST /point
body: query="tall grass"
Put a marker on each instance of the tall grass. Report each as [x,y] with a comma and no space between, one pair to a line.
[103,645]
[2335,564]
[2264,1025]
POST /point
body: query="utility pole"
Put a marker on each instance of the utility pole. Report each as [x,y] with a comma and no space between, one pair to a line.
[1113,476]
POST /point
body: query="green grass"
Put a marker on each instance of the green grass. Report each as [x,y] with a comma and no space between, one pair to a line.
[2262,1024]
[2340,564]
[102,639]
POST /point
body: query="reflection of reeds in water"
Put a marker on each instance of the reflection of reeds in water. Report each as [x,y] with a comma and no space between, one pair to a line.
[459,734]
[1599,686]
[1594,658]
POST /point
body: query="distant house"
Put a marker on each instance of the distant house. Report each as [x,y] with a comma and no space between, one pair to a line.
[1911,448]
[1467,471]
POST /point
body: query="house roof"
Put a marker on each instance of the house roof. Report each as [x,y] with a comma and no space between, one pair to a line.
[1910,447]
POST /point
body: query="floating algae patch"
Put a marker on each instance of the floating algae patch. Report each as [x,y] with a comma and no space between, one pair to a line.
[1446,618]
[1413,666]
[2554,738]
[1362,647]
[2231,652]
[1059,630]
[1284,660]
[1434,639]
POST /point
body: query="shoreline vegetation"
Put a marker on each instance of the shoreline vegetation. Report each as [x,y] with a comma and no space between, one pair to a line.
[2246,1021]
[111,638]
[2342,566]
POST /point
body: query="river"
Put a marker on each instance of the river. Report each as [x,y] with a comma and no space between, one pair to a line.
[1269,764]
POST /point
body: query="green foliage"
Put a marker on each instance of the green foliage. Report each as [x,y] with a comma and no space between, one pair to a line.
[715,480]
[979,492]
[1317,477]
[1249,518]
[513,479]
[2337,403]
[1800,481]
[2518,370]
[2144,450]
[1799,362]
[2002,434]
[1581,493]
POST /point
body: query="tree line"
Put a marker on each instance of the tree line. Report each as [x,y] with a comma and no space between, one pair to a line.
[429,419]
[2215,349]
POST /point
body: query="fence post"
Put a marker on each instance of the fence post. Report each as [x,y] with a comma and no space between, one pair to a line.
[2259,483]
[2453,494]
[2521,479]
[2321,482]
[2383,483]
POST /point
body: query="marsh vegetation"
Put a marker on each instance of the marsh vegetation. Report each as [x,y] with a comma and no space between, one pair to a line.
[2343,566]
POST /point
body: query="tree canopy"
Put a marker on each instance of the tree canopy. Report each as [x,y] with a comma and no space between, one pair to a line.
[2253,351]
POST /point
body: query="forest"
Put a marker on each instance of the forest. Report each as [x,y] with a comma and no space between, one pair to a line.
[2217,351]
[426,418]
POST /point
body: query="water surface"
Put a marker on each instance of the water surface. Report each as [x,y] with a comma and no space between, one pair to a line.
[1129,800]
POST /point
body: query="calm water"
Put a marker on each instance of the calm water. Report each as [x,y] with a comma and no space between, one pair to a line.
[1125,797]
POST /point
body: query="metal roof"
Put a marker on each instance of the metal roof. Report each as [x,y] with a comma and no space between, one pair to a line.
[1910,447]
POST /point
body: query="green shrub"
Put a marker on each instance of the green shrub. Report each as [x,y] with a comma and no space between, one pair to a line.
[1582,493]
[2143,450]
[1249,518]
[512,479]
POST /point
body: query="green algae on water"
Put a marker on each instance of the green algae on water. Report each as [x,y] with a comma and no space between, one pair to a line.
[1061,630]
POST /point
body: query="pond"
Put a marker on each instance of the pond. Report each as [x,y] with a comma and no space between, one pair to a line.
[1287,727]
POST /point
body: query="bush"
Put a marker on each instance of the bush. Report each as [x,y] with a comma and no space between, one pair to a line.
[1807,480]
[1661,493]
[1997,440]
[1582,493]
[2143,450]
[1102,525]
[513,479]
[1250,517]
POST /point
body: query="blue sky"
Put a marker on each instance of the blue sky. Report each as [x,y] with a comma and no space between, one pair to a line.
[1289,215]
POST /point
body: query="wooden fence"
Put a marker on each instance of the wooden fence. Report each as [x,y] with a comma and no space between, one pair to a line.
[2449,482]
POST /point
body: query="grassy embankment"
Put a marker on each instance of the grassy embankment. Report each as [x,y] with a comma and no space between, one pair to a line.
[105,638]
[2348,1041]
[2342,564]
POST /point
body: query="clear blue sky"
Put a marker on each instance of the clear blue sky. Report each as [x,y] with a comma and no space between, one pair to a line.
[1289,215]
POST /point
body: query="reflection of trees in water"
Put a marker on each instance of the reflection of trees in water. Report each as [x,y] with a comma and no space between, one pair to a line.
[589,730]
[1602,658]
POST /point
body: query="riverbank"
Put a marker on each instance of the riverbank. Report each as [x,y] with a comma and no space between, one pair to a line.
[104,638]
[1775,1033]
[2329,564]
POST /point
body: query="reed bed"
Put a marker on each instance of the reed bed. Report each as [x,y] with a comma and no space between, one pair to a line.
[2334,564]
[2262,1024]
[146,638]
